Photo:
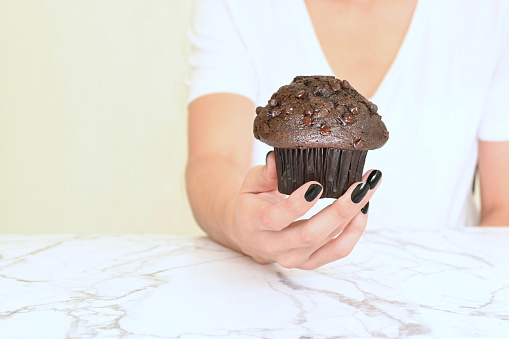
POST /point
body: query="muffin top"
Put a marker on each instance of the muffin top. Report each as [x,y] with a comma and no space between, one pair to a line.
[320,112]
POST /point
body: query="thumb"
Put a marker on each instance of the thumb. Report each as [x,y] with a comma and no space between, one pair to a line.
[261,178]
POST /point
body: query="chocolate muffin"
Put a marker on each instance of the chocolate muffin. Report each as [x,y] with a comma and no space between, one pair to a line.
[321,129]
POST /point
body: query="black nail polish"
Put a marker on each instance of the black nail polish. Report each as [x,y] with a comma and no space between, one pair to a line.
[365,209]
[312,192]
[360,192]
[373,178]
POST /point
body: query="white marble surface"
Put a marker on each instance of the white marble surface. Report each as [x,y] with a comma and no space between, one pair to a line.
[394,284]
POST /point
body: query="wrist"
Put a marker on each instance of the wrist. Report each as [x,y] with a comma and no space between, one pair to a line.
[230,227]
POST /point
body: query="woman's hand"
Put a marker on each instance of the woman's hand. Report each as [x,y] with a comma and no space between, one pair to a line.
[264,222]
[240,207]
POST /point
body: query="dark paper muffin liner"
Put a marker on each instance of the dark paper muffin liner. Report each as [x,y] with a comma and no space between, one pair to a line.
[335,169]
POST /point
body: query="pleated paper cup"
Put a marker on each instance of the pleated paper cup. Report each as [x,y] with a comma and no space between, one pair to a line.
[334,169]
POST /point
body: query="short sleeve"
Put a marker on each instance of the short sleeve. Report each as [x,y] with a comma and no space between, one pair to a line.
[494,124]
[219,59]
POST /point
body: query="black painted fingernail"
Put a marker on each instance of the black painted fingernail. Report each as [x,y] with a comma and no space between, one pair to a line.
[373,178]
[312,192]
[365,209]
[267,158]
[360,192]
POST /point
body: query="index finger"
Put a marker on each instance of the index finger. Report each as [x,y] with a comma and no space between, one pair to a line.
[281,214]
[333,218]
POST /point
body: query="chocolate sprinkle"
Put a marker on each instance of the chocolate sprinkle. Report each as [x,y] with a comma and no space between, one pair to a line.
[300,94]
[358,143]
[355,110]
[273,102]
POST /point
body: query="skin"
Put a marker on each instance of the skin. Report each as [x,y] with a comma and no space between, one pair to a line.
[361,38]
[240,207]
[493,167]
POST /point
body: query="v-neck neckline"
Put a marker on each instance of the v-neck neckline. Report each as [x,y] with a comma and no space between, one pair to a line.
[313,44]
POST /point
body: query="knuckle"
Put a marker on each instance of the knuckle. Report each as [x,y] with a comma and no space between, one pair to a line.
[339,211]
[360,226]
[268,249]
[270,219]
[261,261]
[342,252]
[310,237]
[288,261]
[309,266]
[262,178]
[293,205]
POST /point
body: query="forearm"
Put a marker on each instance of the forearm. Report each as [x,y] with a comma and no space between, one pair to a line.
[220,145]
[495,217]
[212,185]
[493,167]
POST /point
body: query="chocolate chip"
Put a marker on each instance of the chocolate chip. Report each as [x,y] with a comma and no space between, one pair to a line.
[300,94]
[325,129]
[358,143]
[355,110]
[275,112]
[346,84]
[373,108]
[307,121]
[348,118]
[309,111]
[335,84]
[273,102]
[288,110]
[259,109]
[266,128]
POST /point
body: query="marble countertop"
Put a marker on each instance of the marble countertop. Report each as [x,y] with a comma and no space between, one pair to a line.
[394,284]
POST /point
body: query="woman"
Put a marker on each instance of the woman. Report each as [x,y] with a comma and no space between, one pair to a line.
[438,70]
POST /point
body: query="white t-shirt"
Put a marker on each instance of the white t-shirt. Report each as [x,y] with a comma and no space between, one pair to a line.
[445,90]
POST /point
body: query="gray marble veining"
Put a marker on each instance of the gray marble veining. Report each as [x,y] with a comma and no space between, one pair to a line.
[422,284]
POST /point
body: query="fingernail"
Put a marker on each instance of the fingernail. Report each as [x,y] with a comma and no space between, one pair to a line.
[360,192]
[267,157]
[365,209]
[312,192]
[373,178]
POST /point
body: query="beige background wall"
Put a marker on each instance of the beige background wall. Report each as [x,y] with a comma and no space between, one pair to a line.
[92,116]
